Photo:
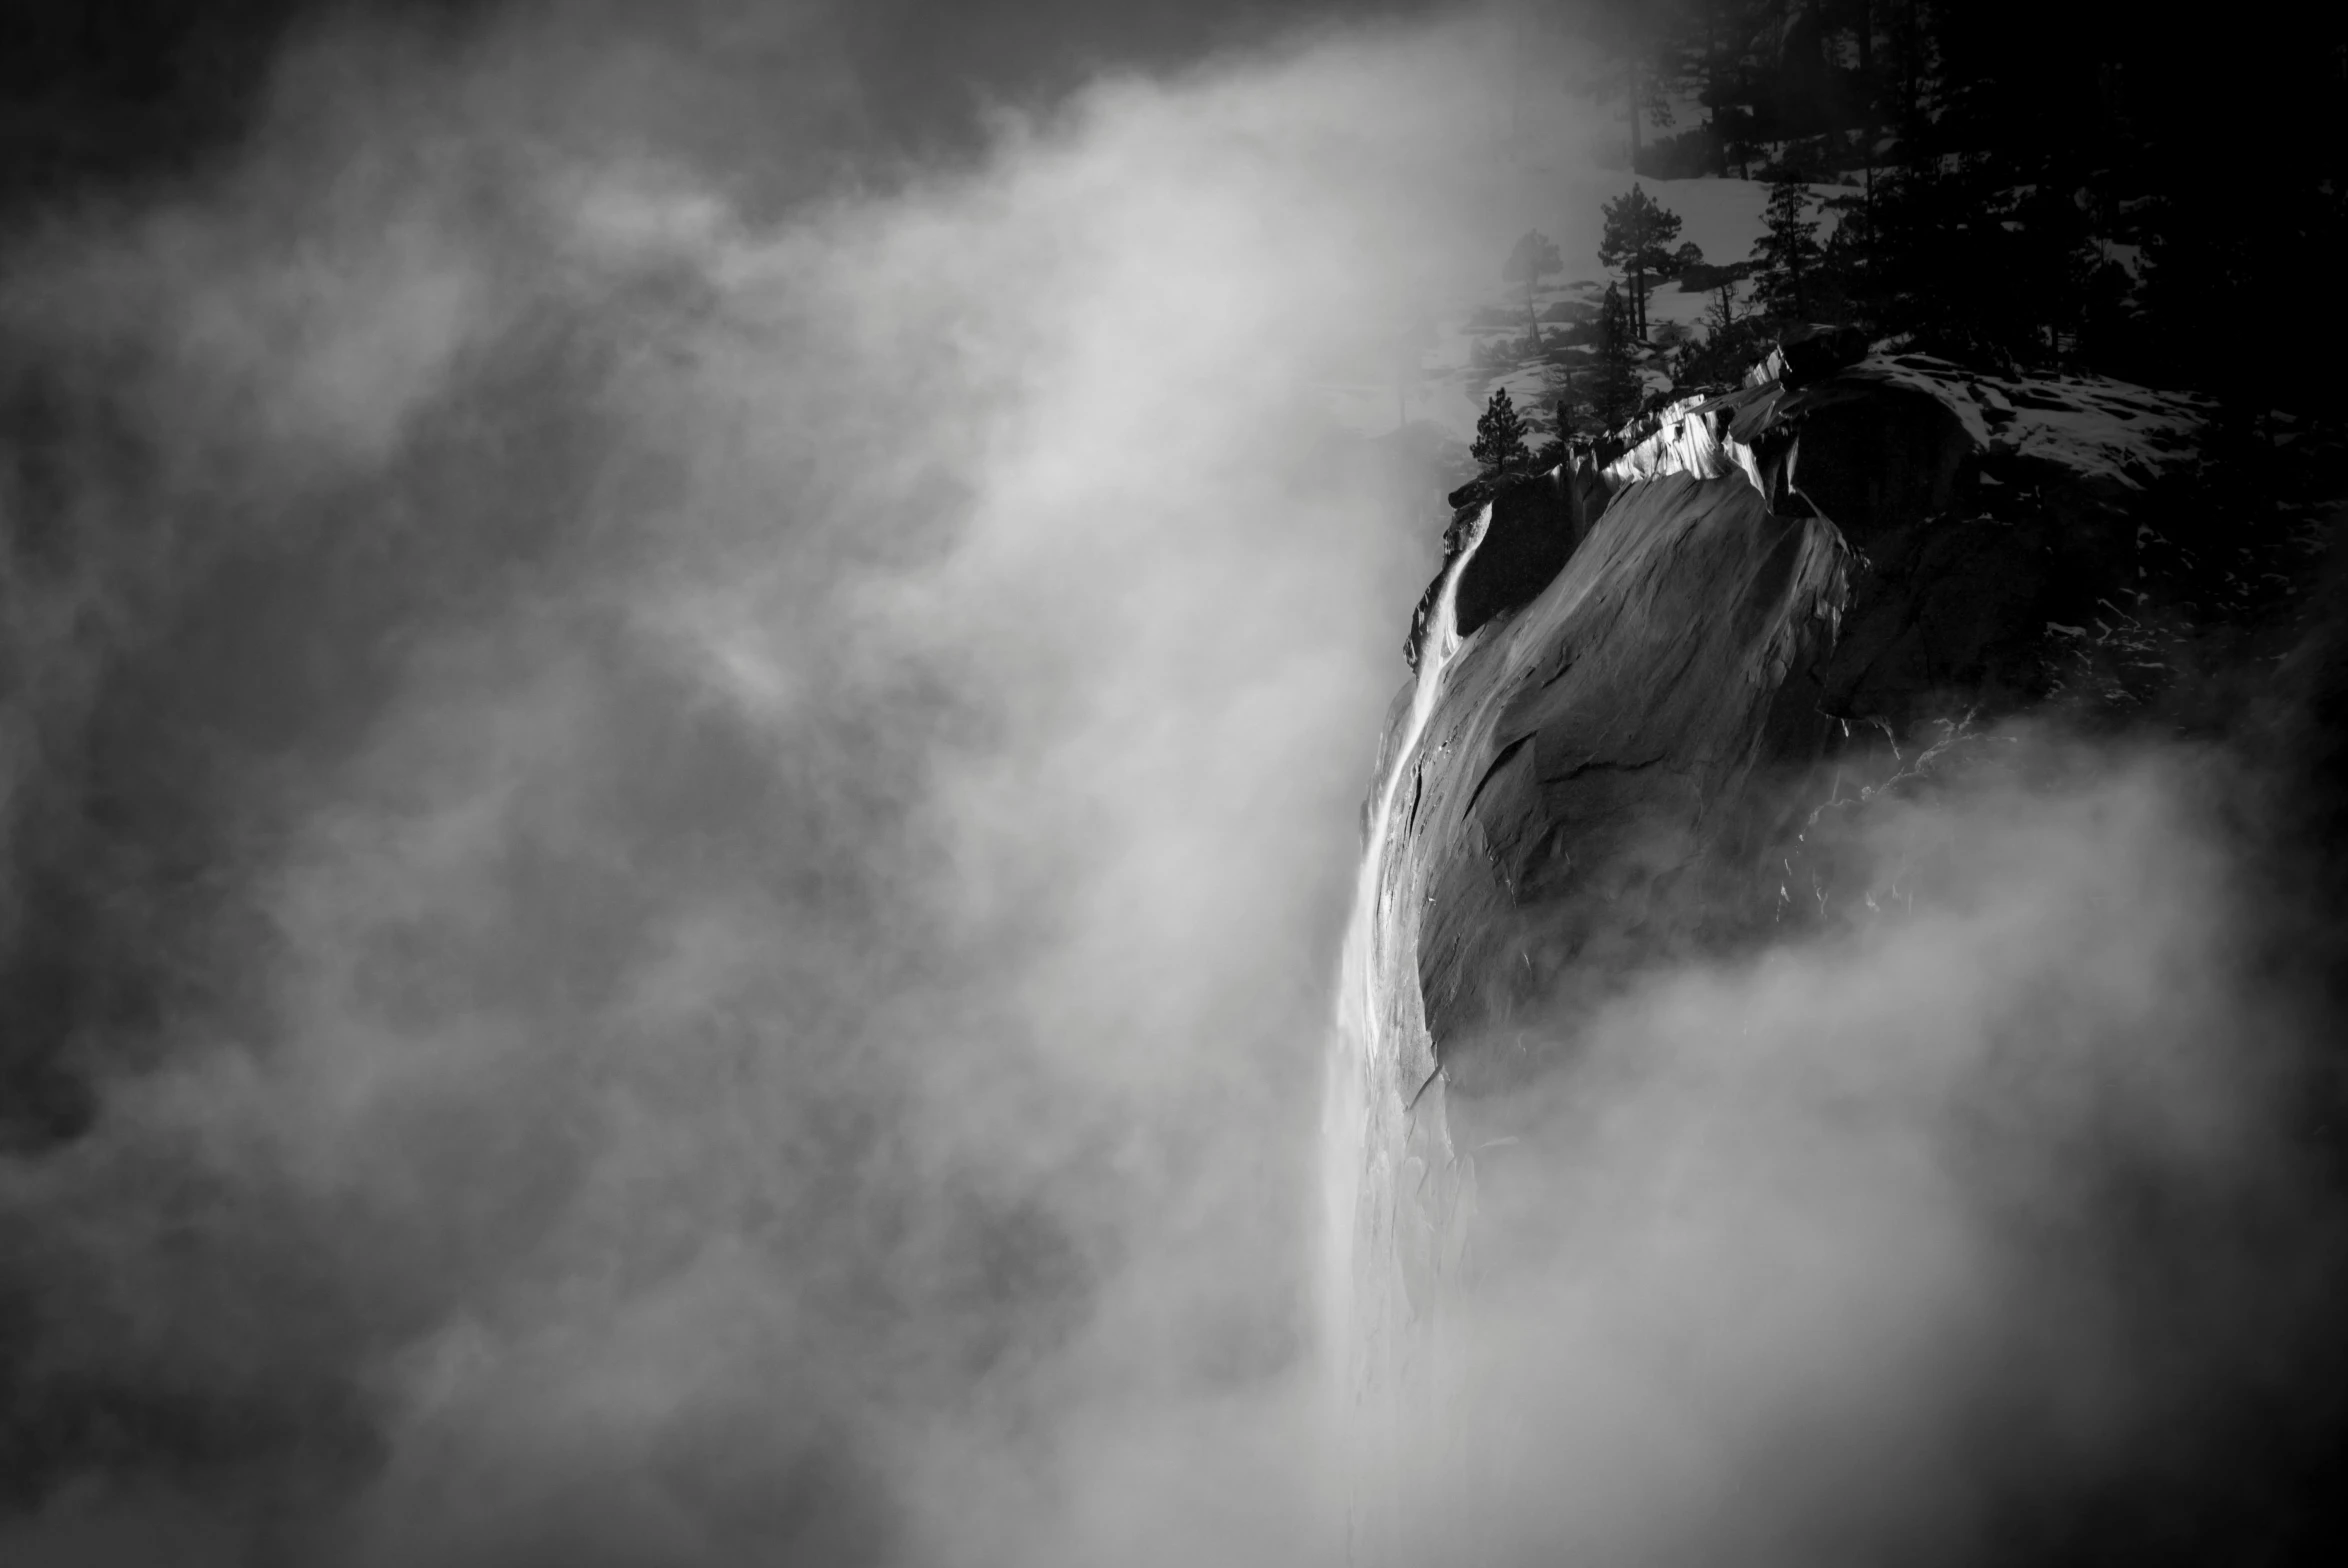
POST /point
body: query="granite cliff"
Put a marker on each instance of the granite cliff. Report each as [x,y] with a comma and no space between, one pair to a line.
[1817,571]
[1648,681]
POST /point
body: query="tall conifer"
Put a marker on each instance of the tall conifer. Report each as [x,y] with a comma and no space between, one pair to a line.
[1638,242]
[1786,256]
[1500,444]
[1614,394]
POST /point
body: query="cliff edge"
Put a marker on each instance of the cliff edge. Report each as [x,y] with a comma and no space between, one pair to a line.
[1810,572]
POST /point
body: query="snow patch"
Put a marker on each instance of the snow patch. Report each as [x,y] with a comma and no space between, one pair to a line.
[2113,435]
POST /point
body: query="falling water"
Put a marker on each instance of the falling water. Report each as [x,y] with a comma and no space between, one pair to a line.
[1366,1143]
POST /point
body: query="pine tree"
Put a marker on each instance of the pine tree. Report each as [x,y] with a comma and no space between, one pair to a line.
[1569,401]
[1500,437]
[1732,340]
[1639,53]
[1786,257]
[1720,311]
[1638,241]
[1721,36]
[1844,286]
[1533,259]
[1616,388]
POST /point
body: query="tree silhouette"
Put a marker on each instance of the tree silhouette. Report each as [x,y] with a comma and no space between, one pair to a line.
[1786,256]
[1533,259]
[1640,54]
[1614,394]
[1733,338]
[1500,437]
[1637,242]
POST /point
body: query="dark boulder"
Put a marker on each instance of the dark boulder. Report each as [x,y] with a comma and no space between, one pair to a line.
[1702,277]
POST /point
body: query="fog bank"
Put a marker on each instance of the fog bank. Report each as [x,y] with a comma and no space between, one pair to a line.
[677,821]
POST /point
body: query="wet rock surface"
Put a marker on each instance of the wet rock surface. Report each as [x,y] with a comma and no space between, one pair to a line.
[1538,521]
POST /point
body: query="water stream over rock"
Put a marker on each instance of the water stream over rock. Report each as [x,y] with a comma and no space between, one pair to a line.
[1383,1136]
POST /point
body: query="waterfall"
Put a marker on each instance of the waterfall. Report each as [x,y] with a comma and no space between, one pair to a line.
[1367,1150]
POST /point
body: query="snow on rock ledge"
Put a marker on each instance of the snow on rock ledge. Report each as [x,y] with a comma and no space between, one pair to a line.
[1695,438]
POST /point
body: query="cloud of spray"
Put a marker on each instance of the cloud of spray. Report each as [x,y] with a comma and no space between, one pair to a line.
[673,841]
[1967,1231]
[677,832]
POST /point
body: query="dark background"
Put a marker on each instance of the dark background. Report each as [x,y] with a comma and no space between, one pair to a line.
[107,92]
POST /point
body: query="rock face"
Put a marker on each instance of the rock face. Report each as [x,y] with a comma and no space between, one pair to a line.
[1537,523]
[1642,681]
[1741,588]
[1637,681]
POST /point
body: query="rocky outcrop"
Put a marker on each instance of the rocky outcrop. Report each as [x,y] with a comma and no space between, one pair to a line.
[1743,587]
[1538,520]
[1806,353]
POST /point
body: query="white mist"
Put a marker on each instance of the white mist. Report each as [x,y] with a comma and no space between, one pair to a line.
[1365,1154]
